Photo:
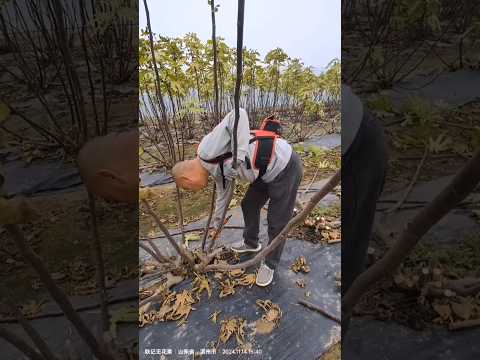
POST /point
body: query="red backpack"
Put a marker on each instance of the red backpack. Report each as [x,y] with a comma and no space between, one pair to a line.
[265,137]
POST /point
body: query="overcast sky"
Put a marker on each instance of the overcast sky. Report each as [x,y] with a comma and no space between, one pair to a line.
[307,29]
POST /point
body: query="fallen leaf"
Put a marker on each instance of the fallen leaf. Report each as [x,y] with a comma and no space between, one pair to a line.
[236,272]
[264,327]
[300,265]
[300,283]
[214,316]
[201,284]
[443,310]
[463,310]
[15,211]
[247,280]
[227,329]
[228,288]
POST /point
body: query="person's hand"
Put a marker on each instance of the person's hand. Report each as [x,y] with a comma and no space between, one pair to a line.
[229,172]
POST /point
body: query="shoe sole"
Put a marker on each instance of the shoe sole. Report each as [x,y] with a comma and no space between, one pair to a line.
[263,285]
[246,250]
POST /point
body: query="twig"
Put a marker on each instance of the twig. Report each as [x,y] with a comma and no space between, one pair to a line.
[30,330]
[459,325]
[311,182]
[56,293]
[181,251]
[180,212]
[209,220]
[314,307]
[159,257]
[188,231]
[412,183]
[99,264]
[20,344]
[53,314]
[300,217]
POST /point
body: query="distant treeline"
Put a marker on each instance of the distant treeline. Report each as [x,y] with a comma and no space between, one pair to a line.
[277,82]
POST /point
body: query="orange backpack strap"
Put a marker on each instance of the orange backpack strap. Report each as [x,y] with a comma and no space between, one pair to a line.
[265,146]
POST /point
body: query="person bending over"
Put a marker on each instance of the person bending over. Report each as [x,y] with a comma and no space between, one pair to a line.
[264,160]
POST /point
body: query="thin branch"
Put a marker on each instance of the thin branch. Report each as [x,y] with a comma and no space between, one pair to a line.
[57,294]
[20,344]
[156,255]
[316,308]
[407,192]
[210,215]
[184,253]
[30,330]
[99,263]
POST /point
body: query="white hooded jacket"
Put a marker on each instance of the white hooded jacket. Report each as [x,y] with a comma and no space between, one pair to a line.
[219,141]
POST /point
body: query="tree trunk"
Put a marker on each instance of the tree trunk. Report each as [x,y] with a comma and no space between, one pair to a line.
[215,67]
[462,185]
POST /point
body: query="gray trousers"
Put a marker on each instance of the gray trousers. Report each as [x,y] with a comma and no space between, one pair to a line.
[363,175]
[282,192]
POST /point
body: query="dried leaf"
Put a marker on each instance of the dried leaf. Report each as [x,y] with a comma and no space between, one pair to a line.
[270,319]
[300,283]
[264,327]
[15,211]
[240,333]
[202,284]
[214,316]
[31,308]
[247,280]
[228,328]
[300,265]
[228,288]
[236,272]
[443,310]
[463,310]
[182,307]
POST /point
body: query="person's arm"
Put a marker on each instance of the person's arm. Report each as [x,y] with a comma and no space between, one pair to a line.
[220,201]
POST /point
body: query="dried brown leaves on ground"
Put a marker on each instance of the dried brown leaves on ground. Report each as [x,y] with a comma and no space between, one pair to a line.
[175,307]
[300,265]
[233,326]
[271,318]
[227,288]
[300,283]
[201,284]
[214,316]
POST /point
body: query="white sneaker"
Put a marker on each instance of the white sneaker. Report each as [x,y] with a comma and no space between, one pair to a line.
[264,275]
[243,248]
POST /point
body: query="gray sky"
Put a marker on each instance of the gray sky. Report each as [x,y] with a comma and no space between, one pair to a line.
[307,29]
